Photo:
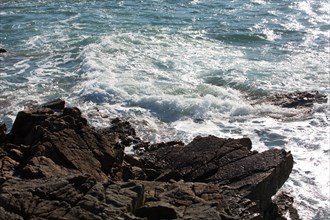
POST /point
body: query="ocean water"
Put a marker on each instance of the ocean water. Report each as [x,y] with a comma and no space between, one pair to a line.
[178,69]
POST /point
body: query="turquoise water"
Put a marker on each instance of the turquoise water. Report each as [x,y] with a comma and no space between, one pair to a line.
[178,69]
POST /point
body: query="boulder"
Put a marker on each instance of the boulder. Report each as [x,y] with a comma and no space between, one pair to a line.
[285,206]
[57,104]
[62,144]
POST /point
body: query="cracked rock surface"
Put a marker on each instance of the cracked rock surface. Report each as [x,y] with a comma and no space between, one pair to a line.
[53,165]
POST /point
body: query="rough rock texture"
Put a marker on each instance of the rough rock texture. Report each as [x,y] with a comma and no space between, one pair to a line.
[296,99]
[226,162]
[53,165]
[285,206]
[51,144]
[68,197]
[183,200]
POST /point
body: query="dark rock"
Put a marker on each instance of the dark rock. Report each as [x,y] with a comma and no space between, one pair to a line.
[68,197]
[67,142]
[295,100]
[23,130]
[132,160]
[53,165]
[285,207]
[198,160]
[57,104]
[3,130]
[2,50]
[120,127]
[169,175]
[182,200]
[123,131]
[151,174]
[227,162]
[157,212]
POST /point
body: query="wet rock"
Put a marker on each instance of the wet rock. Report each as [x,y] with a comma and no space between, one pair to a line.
[57,104]
[295,99]
[68,197]
[200,159]
[226,162]
[2,50]
[53,165]
[183,200]
[62,143]
[285,206]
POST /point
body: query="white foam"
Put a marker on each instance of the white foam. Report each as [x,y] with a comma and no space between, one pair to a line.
[157,79]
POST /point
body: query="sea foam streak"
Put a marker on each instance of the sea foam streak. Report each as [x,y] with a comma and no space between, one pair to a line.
[178,70]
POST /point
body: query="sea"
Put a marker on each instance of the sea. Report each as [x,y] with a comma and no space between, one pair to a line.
[177,69]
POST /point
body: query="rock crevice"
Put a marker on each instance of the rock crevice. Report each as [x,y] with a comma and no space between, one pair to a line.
[53,165]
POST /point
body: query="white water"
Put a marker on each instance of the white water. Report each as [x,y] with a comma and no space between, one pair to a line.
[177,83]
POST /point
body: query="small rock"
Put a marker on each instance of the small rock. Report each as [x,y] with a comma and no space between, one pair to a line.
[295,99]
[57,104]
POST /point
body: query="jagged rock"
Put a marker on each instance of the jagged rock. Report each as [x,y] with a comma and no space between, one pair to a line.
[198,160]
[228,162]
[7,166]
[68,197]
[57,104]
[285,206]
[183,200]
[53,165]
[295,99]
[65,142]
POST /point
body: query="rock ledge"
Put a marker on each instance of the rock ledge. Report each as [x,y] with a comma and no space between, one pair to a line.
[53,165]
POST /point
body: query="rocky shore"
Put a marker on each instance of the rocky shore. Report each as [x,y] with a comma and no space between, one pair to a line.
[53,165]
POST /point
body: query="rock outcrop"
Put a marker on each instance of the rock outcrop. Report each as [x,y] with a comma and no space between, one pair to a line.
[295,99]
[228,163]
[2,50]
[68,197]
[53,165]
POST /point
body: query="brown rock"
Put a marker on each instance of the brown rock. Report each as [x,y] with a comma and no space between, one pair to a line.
[295,99]
[57,104]
[65,142]
[285,207]
[53,165]
[68,197]
[7,166]
[256,177]
[183,200]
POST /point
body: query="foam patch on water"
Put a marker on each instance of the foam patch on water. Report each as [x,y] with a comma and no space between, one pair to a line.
[177,82]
